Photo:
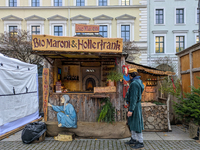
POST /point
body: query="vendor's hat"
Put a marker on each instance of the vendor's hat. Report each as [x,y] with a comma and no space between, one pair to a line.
[132,70]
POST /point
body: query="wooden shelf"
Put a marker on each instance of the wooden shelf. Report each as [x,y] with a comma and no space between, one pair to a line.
[151,80]
[72,80]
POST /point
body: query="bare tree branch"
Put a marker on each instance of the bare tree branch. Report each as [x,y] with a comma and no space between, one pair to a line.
[17,44]
[166,64]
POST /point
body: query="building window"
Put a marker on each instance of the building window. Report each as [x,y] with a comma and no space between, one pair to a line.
[57,2]
[125,2]
[197,39]
[179,15]
[180,43]
[35,3]
[58,30]
[35,30]
[80,2]
[159,16]
[12,3]
[125,32]
[103,30]
[159,44]
[102,2]
[197,15]
[12,30]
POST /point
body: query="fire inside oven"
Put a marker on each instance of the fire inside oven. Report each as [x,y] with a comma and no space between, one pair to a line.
[90,84]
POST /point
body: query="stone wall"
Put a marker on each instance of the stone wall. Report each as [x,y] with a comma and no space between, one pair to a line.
[155,118]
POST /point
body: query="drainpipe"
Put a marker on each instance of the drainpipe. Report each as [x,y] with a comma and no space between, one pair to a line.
[148,36]
[199,18]
[68,17]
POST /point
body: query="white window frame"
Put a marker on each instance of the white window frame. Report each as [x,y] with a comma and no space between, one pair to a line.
[155,17]
[184,16]
[125,22]
[77,22]
[80,6]
[12,23]
[180,34]
[164,44]
[30,3]
[52,3]
[18,3]
[196,16]
[58,23]
[97,2]
[131,2]
[35,23]
[109,26]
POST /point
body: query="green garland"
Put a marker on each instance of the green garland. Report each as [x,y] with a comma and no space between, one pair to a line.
[106,112]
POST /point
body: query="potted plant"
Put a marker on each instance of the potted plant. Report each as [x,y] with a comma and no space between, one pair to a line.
[114,76]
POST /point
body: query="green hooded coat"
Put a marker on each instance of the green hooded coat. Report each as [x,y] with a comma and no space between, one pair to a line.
[134,96]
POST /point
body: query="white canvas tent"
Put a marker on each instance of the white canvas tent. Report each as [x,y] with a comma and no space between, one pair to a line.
[18,93]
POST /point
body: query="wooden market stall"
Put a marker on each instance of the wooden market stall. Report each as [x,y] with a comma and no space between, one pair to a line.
[155,117]
[189,67]
[78,66]
[151,78]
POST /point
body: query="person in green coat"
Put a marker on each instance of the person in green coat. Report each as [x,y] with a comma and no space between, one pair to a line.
[135,120]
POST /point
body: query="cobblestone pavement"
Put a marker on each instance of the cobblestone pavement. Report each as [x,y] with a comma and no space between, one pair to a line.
[99,145]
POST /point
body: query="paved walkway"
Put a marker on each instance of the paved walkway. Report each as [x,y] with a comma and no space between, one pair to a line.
[175,140]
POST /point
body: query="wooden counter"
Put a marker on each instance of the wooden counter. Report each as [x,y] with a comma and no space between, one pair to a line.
[87,105]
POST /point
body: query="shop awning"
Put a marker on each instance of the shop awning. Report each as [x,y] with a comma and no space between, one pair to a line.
[148,70]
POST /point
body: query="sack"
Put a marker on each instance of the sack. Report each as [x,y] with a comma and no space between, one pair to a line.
[33,131]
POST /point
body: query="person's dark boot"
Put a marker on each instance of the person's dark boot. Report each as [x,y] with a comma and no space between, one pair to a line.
[132,141]
[138,145]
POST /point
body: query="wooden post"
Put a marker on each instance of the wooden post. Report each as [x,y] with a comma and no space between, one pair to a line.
[45,79]
[191,73]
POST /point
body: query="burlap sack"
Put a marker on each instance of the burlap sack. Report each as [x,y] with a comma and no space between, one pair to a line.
[116,130]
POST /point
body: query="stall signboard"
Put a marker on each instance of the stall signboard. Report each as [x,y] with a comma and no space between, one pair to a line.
[107,89]
[84,28]
[76,44]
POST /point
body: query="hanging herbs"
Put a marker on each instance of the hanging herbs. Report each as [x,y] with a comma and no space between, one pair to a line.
[106,112]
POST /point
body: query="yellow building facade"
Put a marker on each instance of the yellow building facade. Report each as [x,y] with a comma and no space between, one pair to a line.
[117,18]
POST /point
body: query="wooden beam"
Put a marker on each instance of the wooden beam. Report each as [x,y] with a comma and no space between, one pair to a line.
[191,74]
[100,96]
[88,60]
[78,53]
[179,68]
[48,60]
[195,69]
[7,134]
[185,72]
